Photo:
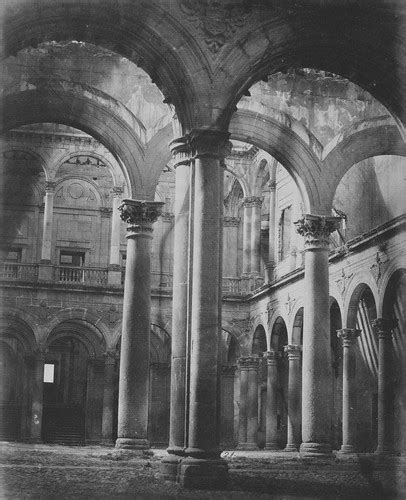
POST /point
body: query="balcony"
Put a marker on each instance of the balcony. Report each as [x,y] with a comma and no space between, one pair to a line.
[97,277]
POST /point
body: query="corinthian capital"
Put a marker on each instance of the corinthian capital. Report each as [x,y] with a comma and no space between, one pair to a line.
[140,215]
[316,229]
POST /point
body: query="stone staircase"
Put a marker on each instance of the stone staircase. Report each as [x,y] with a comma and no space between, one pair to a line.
[64,425]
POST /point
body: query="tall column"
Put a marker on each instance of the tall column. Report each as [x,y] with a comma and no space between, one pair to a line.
[134,357]
[256,204]
[180,314]
[108,396]
[269,267]
[203,467]
[114,273]
[252,404]
[294,397]
[246,237]
[227,405]
[349,338]
[384,328]
[230,249]
[47,225]
[271,442]
[316,364]
[242,422]
[37,384]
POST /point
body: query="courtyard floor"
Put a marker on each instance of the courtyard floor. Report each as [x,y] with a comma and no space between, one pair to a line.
[51,471]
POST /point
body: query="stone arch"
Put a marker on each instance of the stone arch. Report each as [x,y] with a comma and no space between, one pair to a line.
[85,113]
[297,327]
[160,344]
[232,200]
[279,334]
[393,302]
[169,54]
[357,284]
[100,333]
[22,326]
[259,343]
[289,150]
[364,140]
[100,202]
[329,39]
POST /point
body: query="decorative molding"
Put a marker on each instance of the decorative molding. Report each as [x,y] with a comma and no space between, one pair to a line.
[231,221]
[252,201]
[343,281]
[140,215]
[378,267]
[89,160]
[293,351]
[316,230]
[218,21]
[290,302]
[59,139]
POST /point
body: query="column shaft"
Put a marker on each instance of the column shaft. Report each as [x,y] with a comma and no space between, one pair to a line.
[271,233]
[180,314]
[47,225]
[316,387]
[256,235]
[246,238]
[134,358]
[37,385]
[252,406]
[294,398]
[384,329]
[349,337]
[108,397]
[203,467]
[242,425]
[271,442]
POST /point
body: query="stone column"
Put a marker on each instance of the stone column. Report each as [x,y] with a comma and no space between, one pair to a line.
[256,204]
[227,405]
[271,234]
[47,225]
[252,404]
[230,248]
[180,314]
[294,397]
[37,385]
[316,386]
[242,422]
[271,442]
[108,396]
[114,273]
[246,237]
[203,467]
[384,327]
[134,357]
[349,338]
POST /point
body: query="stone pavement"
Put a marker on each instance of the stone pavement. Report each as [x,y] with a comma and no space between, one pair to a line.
[51,471]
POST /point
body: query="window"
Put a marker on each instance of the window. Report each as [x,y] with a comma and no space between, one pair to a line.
[13,255]
[49,373]
[70,261]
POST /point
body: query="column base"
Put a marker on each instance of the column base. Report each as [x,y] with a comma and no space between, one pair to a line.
[169,468]
[346,449]
[385,450]
[315,449]
[291,447]
[247,446]
[132,444]
[271,446]
[200,473]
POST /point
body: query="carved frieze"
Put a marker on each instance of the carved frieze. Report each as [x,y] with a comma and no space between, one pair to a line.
[217,21]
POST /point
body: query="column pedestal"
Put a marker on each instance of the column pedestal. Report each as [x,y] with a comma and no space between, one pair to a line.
[271,442]
[294,398]
[384,328]
[316,384]
[134,357]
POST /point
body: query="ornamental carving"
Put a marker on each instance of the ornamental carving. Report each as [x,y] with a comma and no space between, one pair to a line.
[384,326]
[231,221]
[343,281]
[316,229]
[290,302]
[140,215]
[293,351]
[378,267]
[217,20]
[348,335]
[253,201]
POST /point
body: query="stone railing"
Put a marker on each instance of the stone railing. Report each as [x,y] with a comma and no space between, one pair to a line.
[86,275]
[16,271]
